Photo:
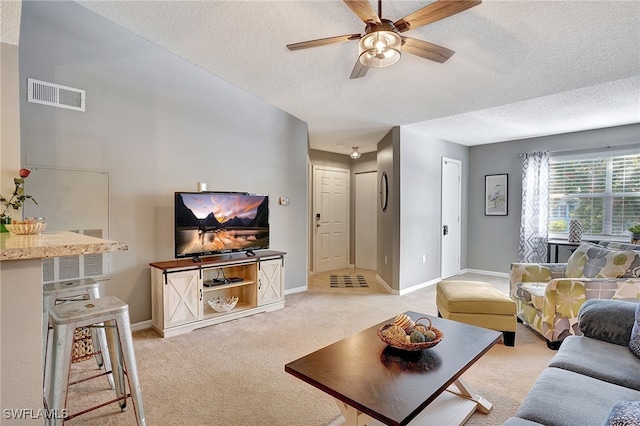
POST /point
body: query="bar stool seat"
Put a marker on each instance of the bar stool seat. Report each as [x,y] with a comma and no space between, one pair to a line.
[70,290]
[114,314]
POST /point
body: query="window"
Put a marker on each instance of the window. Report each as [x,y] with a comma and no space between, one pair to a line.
[601,192]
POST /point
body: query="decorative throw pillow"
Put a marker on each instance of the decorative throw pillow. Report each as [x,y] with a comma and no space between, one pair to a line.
[577,260]
[607,320]
[634,342]
[595,261]
[633,271]
[624,413]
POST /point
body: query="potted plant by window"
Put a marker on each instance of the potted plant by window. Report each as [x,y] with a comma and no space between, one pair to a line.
[16,201]
[635,233]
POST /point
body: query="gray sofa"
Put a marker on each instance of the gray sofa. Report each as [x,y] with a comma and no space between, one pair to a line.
[589,374]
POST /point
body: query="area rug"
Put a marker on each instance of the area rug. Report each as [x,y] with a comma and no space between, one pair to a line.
[232,373]
[347,281]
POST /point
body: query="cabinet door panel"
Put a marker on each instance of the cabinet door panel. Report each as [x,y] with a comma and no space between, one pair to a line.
[270,282]
[182,298]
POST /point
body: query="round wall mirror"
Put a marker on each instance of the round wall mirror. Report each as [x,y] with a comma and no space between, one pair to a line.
[384,191]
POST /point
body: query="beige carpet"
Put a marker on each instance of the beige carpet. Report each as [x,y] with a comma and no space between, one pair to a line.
[233,373]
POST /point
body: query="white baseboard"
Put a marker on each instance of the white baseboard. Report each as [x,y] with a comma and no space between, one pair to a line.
[296,290]
[142,325]
[419,286]
[405,290]
[481,272]
[385,285]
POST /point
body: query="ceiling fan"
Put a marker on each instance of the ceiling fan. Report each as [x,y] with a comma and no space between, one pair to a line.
[381,44]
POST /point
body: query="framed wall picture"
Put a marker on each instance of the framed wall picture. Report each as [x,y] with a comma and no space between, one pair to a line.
[495,195]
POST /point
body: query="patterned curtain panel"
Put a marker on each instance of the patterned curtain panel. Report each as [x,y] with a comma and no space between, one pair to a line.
[535,206]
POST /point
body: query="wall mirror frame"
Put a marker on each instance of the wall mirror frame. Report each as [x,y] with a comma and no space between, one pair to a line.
[384,191]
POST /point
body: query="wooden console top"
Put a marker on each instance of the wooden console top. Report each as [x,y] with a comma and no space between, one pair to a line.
[217,259]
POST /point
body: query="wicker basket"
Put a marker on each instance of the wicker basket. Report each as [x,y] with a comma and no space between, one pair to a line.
[412,346]
[82,345]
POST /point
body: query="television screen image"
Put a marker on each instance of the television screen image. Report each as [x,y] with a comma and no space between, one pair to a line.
[208,223]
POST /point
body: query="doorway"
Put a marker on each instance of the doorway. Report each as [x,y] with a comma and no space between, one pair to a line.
[366,220]
[330,218]
[451,217]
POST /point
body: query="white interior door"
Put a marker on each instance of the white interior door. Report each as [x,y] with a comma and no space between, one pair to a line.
[331,213]
[366,216]
[451,212]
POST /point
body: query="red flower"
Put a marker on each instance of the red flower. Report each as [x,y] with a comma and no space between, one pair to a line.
[24,173]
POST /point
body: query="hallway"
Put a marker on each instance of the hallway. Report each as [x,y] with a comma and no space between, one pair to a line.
[322,282]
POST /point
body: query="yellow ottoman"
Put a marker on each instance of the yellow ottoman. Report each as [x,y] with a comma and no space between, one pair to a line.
[478,303]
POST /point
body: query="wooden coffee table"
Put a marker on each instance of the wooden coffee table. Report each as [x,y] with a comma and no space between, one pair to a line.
[374,383]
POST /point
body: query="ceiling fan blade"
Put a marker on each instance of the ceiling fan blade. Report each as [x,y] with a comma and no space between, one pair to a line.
[426,50]
[437,10]
[363,9]
[322,41]
[359,70]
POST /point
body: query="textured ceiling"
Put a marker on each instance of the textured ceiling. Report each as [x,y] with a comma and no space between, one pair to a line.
[522,68]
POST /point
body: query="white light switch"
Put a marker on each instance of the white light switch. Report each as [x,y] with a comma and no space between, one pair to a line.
[284,201]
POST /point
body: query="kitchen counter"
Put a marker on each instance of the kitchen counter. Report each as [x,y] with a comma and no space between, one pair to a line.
[21,314]
[55,244]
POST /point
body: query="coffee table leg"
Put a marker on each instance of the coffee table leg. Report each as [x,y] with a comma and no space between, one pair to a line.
[444,410]
[483,405]
[352,417]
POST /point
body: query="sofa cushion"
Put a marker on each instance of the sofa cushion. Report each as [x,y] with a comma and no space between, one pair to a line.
[624,413]
[633,271]
[600,360]
[634,340]
[532,293]
[618,245]
[515,421]
[560,397]
[607,320]
[592,260]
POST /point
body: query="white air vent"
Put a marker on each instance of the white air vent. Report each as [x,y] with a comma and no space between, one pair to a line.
[41,92]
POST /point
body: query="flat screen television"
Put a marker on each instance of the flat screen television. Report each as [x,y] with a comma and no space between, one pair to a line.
[209,223]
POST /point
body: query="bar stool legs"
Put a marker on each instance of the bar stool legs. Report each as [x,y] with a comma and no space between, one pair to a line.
[114,314]
[72,290]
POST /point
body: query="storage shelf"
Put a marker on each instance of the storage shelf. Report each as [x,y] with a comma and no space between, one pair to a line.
[209,312]
[179,296]
[224,286]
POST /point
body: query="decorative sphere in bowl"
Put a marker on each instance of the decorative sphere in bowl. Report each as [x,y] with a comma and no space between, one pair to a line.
[26,228]
[223,304]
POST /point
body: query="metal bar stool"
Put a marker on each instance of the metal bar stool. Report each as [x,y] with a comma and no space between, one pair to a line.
[114,314]
[65,291]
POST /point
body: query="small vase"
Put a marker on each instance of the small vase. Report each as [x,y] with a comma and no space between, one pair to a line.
[575,231]
[4,220]
[635,238]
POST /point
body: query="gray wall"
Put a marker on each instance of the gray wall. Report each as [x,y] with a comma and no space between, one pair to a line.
[410,227]
[157,124]
[389,221]
[366,163]
[493,240]
[420,205]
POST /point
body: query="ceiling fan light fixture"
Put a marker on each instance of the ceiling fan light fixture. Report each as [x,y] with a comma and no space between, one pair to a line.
[355,154]
[379,49]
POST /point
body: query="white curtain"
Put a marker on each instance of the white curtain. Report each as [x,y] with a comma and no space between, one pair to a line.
[535,207]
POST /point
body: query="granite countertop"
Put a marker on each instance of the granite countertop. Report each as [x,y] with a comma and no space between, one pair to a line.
[53,244]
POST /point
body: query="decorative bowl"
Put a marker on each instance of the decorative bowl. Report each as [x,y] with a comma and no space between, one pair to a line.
[26,228]
[408,346]
[223,304]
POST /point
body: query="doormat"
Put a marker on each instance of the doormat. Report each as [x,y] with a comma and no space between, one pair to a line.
[348,281]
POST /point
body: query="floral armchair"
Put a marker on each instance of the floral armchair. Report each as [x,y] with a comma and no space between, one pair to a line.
[548,296]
